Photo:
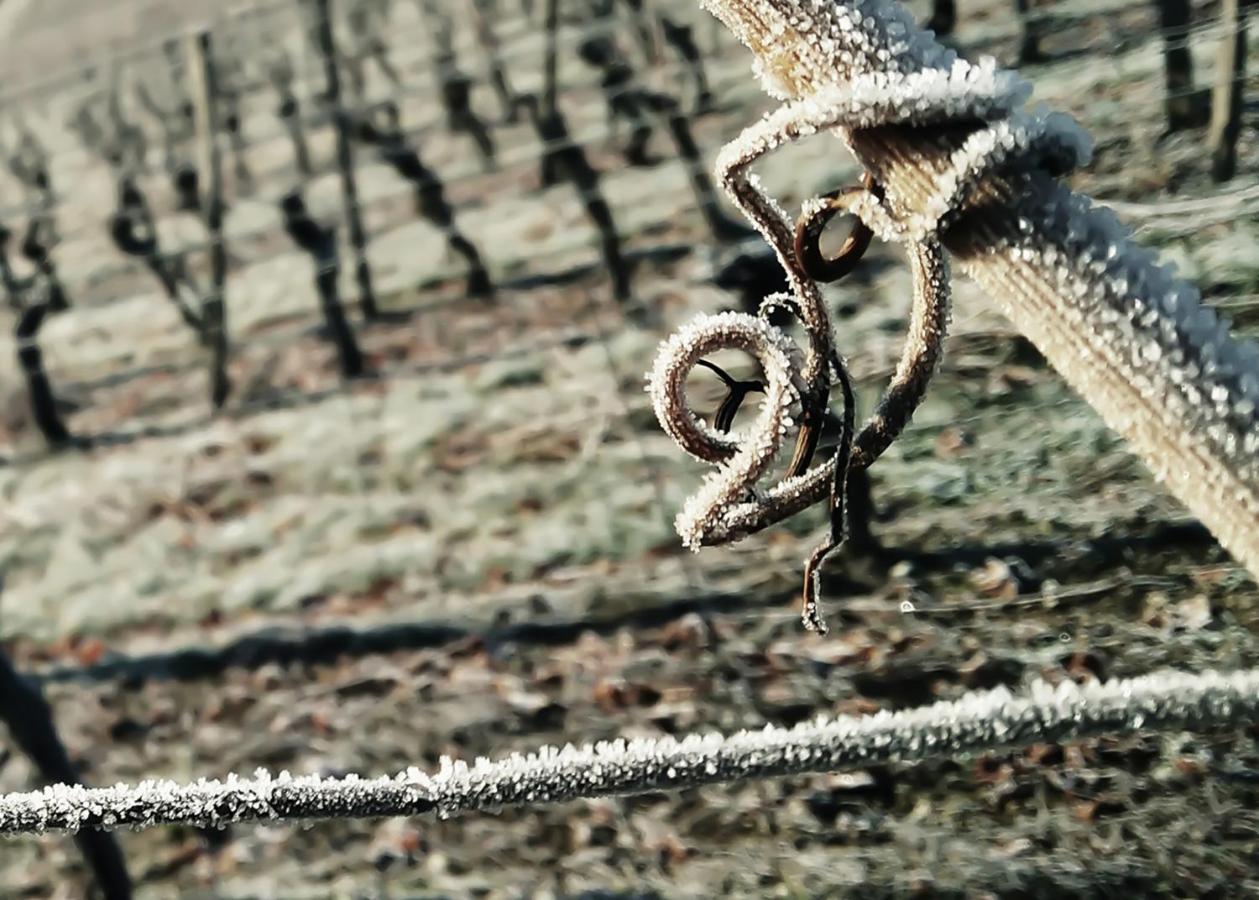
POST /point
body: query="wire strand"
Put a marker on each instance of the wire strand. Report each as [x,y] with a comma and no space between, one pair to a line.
[1165,701]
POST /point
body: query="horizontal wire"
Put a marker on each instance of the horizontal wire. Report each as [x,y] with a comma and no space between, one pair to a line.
[615,27]
[601,26]
[322,119]
[1161,702]
[128,266]
[280,399]
[416,132]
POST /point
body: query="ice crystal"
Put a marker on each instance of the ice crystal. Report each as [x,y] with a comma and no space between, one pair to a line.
[976,722]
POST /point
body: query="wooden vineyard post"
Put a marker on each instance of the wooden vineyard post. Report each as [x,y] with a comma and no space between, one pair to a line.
[210,161]
[1226,98]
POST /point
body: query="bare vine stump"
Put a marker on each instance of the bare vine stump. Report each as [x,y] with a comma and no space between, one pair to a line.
[321,243]
[31,360]
[551,58]
[280,72]
[129,145]
[456,91]
[173,124]
[214,300]
[30,722]
[290,113]
[134,233]
[681,38]
[623,95]
[187,188]
[369,21]
[546,117]
[390,141]
[173,113]
[37,248]
[454,88]
[482,10]
[629,101]
[24,297]
[85,124]
[565,160]
[29,165]
[1226,99]
[642,30]
[345,159]
[231,123]
[722,227]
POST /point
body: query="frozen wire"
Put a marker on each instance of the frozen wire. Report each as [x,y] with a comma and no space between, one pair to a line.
[423,89]
[527,152]
[595,27]
[1162,702]
[321,119]
[537,343]
[449,273]
[421,130]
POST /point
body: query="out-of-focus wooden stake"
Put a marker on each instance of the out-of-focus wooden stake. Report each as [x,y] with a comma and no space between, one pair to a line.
[204,90]
[1226,97]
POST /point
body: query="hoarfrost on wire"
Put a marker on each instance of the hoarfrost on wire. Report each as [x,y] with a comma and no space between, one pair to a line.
[1164,701]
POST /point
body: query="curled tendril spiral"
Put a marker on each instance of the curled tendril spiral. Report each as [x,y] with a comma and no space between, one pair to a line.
[728,505]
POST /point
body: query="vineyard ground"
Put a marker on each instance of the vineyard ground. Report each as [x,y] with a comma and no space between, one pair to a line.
[497,534]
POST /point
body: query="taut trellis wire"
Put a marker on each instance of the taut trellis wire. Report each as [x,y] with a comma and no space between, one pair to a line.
[1163,701]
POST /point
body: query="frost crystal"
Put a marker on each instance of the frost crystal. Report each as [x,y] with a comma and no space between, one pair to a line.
[979,722]
[885,74]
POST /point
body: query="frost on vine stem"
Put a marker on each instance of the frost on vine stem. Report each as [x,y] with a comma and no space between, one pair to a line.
[976,722]
[1132,338]
[896,91]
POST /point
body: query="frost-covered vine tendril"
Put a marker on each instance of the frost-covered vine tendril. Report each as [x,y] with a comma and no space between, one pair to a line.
[990,720]
[727,507]
[1123,331]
